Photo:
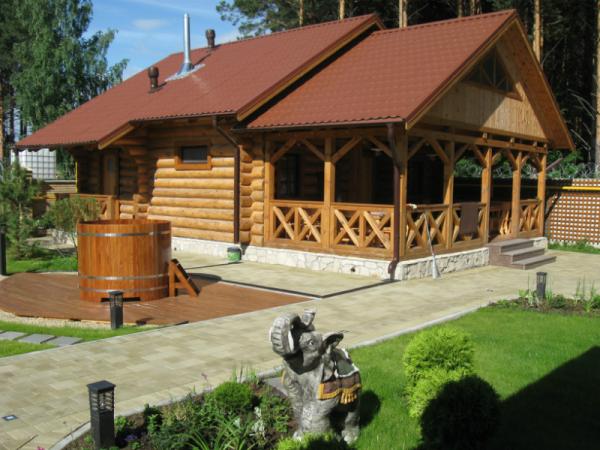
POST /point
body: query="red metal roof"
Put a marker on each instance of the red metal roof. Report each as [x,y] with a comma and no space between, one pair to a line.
[234,77]
[389,75]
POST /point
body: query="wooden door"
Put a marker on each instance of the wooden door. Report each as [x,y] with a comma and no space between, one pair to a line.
[110,173]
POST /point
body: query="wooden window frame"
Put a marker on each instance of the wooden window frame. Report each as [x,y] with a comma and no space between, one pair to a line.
[513,93]
[180,165]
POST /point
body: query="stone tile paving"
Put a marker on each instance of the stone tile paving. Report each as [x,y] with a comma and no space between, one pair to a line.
[10,335]
[306,282]
[37,338]
[47,390]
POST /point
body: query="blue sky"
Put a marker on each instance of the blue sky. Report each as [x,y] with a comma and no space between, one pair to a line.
[149,30]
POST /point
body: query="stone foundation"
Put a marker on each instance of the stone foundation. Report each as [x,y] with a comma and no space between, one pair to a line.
[406,270]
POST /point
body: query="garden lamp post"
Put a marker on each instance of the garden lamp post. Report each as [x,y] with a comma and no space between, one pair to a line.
[116,309]
[102,413]
[541,278]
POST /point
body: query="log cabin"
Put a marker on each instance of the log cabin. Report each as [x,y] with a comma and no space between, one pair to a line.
[331,146]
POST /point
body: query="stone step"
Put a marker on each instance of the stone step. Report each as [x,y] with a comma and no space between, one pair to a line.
[11,335]
[531,263]
[514,256]
[37,338]
[499,247]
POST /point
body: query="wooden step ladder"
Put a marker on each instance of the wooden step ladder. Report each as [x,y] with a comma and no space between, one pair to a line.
[180,279]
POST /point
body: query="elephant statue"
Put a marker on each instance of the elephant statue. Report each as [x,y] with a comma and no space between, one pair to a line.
[320,378]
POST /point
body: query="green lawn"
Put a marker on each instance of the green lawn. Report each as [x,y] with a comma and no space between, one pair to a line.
[10,348]
[87,334]
[546,368]
[581,247]
[43,260]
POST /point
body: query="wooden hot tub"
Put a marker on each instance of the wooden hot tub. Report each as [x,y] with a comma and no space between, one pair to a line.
[126,255]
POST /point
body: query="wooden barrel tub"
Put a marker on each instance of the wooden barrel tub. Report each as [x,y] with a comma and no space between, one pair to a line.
[125,255]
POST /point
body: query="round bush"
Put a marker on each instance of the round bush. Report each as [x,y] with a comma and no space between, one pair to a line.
[443,348]
[429,385]
[463,415]
[233,397]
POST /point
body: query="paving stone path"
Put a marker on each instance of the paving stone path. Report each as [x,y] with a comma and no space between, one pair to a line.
[47,390]
[58,341]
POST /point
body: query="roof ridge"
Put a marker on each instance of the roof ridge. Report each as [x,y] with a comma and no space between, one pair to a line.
[437,23]
[306,27]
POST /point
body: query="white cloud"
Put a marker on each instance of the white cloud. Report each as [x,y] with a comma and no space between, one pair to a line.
[149,24]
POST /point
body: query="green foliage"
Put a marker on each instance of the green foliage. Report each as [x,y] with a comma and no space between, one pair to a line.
[222,421]
[313,442]
[445,348]
[467,167]
[581,247]
[462,416]
[17,194]
[60,65]
[42,260]
[65,214]
[429,385]
[233,397]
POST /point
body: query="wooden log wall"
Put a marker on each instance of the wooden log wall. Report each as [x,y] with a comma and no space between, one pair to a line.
[198,203]
[252,194]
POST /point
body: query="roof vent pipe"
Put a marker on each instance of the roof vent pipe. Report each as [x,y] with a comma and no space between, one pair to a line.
[187,65]
[210,38]
[153,76]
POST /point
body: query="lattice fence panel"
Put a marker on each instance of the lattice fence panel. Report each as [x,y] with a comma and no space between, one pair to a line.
[574,215]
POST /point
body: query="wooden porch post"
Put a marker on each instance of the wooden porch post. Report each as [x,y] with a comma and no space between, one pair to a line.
[541,193]
[486,194]
[448,229]
[402,144]
[328,194]
[269,188]
[515,224]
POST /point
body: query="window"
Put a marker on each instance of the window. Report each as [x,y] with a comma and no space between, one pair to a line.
[193,157]
[491,73]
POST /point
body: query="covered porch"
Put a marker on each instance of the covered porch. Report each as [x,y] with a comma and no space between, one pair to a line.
[333,191]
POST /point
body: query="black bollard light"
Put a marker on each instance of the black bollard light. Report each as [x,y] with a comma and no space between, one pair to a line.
[3,269]
[102,413]
[116,309]
[541,278]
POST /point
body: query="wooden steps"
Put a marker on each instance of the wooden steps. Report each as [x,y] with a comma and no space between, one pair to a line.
[518,254]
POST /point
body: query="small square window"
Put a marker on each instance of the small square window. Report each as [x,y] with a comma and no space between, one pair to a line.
[193,157]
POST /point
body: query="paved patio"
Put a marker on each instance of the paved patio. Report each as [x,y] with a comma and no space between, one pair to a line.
[46,390]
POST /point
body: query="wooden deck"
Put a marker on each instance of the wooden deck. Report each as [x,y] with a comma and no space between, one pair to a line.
[57,297]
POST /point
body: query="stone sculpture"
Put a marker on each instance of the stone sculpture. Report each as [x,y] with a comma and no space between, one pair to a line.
[320,378]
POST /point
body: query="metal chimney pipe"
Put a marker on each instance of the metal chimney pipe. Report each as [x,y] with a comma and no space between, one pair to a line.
[187,65]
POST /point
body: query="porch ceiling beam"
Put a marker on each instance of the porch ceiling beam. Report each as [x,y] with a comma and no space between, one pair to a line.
[512,160]
[412,151]
[461,151]
[478,155]
[380,145]
[283,150]
[439,151]
[346,148]
[465,139]
[313,148]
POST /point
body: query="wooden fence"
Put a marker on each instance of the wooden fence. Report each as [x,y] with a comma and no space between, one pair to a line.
[573,212]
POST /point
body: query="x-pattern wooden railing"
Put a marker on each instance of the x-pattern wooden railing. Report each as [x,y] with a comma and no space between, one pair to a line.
[416,227]
[530,215]
[105,202]
[500,218]
[296,221]
[456,219]
[362,226]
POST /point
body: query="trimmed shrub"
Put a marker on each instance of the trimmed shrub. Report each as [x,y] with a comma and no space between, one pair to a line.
[463,416]
[313,442]
[233,397]
[445,348]
[429,385]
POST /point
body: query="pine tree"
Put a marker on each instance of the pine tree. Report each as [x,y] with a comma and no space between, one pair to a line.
[59,68]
